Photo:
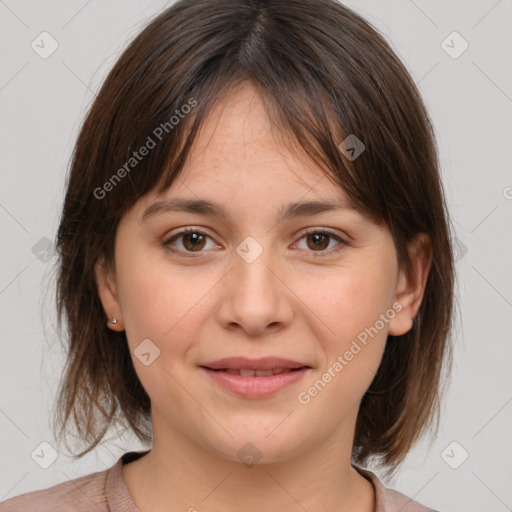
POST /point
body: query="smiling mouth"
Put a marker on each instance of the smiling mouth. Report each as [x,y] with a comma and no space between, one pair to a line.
[255,383]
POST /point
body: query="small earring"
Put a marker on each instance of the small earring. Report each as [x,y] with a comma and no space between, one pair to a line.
[113,321]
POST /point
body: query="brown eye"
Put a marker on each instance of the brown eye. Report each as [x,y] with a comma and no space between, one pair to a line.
[193,240]
[318,241]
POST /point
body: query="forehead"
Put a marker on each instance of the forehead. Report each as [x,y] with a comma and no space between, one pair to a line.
[238,148]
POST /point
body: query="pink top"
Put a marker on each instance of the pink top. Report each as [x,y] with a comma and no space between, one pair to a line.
[105,491]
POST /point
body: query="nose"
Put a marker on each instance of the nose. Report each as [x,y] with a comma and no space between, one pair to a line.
[255,297]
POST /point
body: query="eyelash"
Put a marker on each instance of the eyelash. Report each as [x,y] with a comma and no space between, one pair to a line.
[189,230]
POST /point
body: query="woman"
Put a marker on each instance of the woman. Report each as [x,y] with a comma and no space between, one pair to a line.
[255,266]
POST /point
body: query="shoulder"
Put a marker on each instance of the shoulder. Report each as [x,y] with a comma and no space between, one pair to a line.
[389,500]
[81,494]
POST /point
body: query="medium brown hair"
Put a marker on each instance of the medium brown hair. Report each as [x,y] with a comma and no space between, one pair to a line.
[324,73]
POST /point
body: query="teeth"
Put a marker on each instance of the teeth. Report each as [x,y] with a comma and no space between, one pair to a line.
[263,373]
[258,373]
[231,372]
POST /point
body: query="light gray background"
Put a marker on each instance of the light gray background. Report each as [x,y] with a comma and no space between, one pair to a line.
[43,102]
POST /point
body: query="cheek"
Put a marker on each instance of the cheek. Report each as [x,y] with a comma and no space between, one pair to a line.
[350,308]
[163,306]
[162,303]
[147,304]
[352,355]
[349,302]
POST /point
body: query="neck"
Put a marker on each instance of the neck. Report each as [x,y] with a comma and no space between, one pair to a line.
[178,474]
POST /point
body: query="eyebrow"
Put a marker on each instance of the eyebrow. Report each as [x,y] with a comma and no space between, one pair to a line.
[207,208]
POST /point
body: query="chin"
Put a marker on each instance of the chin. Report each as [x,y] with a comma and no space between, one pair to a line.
[251,447]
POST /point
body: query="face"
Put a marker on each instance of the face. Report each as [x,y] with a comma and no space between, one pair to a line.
[320,290]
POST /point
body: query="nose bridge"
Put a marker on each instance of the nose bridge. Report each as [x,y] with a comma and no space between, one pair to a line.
[252,261]
[256,297]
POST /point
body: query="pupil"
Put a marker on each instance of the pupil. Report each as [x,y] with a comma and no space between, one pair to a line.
[194,238]
[319,238]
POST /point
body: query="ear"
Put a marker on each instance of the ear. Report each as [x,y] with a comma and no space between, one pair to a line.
[410,289]
[107,292]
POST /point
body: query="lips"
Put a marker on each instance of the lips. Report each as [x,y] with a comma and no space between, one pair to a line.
[246,372]
[247,367]
[255,378]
